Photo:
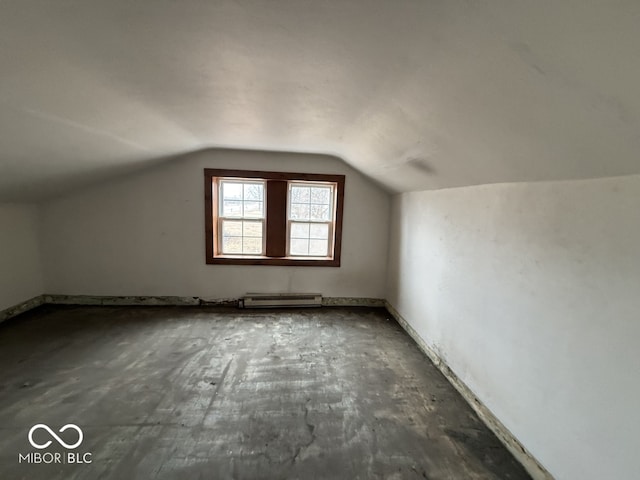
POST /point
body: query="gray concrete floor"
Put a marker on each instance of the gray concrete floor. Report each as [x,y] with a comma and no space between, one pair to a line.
[194,393]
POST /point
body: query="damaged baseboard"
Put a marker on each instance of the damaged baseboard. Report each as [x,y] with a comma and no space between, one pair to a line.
[150,300]
[528,461]
[169,301]
[137,300]
[190,301]
[353,302]
[21,307]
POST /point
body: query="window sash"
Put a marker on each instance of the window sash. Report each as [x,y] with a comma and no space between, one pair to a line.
[330,229]
[308,184]
[221,199]
[236,219]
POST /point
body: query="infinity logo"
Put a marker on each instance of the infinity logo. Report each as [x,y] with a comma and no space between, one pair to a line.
[60,441]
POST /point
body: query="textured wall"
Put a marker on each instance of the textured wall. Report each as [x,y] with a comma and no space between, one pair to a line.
[531,294]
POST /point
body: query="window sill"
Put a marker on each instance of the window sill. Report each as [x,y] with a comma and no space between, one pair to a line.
[279,261]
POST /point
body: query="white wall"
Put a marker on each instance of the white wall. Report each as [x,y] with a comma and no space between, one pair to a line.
[531,294]
[144,235]
[20,266]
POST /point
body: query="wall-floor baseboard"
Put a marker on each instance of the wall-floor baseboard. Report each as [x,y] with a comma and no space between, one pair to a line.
[528,461]
[353,302]
[21,307]
[135,300]
[190,301]
[162,301]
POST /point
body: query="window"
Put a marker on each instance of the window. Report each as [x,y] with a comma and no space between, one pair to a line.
[310,218]
[241,217]
[273,218]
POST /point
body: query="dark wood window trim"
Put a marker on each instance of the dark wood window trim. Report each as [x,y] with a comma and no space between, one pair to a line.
[276,217]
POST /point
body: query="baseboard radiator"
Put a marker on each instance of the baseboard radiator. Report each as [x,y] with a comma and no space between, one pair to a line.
[278,300]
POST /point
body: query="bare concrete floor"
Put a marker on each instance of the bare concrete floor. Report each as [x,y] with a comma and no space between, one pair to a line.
[188,393]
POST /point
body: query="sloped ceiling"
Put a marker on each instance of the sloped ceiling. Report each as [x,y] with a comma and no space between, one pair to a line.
[417,94]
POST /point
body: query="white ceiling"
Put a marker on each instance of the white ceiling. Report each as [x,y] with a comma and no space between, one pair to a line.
[416,94]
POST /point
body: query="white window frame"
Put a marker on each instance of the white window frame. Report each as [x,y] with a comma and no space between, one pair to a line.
[222,218]
[331,223]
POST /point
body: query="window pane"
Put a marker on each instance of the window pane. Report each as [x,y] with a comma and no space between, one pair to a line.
[319,231]
[231,191]
[242,199]
[232,208]
[232,245]
[299,211]
[321,195]
[252,245]
[299,230]
[319,212]
[241,237]
[318,248]
[252,229]
[231,228]
[300,194]
[253,209]
[254,191]
[299,247]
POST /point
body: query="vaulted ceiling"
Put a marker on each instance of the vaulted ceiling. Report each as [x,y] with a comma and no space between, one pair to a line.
[416,94]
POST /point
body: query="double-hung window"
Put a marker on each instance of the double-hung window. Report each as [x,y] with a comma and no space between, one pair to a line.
[241,217]
[273,218]
[310,218]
